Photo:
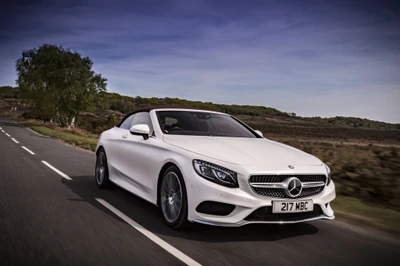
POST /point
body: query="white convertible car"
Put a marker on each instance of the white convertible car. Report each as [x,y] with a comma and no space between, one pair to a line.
[211,168]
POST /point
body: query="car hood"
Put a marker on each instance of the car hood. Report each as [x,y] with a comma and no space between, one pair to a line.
[244,151]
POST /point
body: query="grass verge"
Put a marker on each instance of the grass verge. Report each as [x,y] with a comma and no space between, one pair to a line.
[364,214]
[86,142]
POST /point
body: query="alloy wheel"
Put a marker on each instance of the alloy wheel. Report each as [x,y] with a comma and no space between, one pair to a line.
[100,168]
[171,197]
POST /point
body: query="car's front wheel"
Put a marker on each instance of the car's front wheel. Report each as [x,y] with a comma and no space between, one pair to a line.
[101,172]
[173,199]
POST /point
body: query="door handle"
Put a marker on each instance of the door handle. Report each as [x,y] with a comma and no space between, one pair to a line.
[125,136]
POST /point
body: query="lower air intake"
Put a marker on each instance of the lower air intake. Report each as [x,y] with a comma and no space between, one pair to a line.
[265,214]
[215,208]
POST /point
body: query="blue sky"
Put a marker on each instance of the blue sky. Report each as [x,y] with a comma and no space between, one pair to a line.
[314,58]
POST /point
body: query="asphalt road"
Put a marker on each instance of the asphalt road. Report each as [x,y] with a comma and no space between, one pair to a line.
[48,219]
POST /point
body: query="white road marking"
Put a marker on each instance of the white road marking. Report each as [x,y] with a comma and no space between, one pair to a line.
[173,251]
[3,131]
[8,135]
[56,170]
[15,140]
[28,150]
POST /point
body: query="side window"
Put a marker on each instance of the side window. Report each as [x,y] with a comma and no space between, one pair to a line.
[142,118]
[126,123]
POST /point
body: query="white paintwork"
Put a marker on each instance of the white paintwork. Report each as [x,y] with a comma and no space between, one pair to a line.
[172,250]
[8,135]
[15,140]
[56,170]
[135,164]
[242,150]
[259,133]
[140,129]
[28,150]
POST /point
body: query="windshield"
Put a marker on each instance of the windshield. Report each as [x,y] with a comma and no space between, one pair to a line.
[201,124]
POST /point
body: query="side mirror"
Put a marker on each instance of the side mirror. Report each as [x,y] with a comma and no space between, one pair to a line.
[259,133]
[141,129]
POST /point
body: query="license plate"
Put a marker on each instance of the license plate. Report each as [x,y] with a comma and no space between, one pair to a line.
[292,206]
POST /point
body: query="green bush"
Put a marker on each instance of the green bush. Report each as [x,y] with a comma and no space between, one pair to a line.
[95,124]
[30,115]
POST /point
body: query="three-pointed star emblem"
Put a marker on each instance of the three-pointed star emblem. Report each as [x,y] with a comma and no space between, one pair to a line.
[294,187]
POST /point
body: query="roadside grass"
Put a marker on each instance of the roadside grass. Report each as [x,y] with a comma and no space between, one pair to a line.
[365,214]
[86,142]
[27,123]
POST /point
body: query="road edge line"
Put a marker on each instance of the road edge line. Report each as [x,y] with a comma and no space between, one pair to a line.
[157,240]
[56,170]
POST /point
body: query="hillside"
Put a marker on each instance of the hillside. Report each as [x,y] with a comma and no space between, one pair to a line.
[113,102]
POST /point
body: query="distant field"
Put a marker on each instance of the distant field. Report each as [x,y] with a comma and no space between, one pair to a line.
[300,129]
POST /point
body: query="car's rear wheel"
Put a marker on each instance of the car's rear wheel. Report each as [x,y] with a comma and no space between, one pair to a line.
[101,173]
[173,199]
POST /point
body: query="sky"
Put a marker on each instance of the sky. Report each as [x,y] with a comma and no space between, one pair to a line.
[314,58]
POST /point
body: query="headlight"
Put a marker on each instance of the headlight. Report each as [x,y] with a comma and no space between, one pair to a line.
[328,172]
[216,173]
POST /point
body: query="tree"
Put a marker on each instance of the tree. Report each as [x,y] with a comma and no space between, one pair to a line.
[58,83]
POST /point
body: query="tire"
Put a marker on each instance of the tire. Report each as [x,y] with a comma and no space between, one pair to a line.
[101,176]
[173,199]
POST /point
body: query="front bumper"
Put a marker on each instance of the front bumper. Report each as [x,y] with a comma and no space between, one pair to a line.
[244,222]
[246,203]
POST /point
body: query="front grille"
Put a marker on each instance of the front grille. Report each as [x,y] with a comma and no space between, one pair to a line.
[264,214]
[281,192]
[270,192]
[281,178]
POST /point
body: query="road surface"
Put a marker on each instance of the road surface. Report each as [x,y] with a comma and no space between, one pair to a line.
[52,213]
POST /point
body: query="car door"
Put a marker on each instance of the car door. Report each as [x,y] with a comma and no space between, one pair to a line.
[134,160]
[114,154]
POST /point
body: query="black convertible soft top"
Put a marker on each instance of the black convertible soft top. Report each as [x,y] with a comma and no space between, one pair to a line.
[149,108]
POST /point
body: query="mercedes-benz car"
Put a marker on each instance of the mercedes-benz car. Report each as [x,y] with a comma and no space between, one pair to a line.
[211,168]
